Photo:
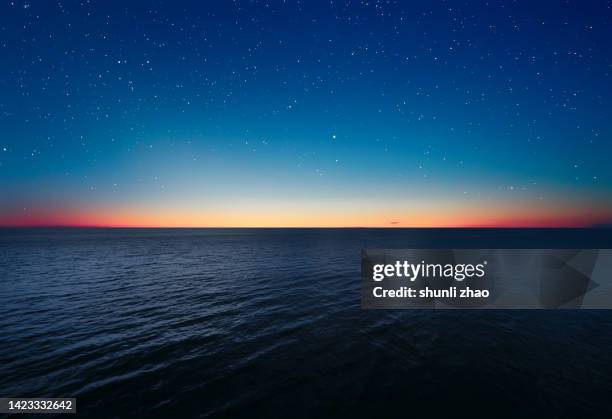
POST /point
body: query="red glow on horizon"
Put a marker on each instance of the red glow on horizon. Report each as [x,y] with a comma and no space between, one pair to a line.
[159,219]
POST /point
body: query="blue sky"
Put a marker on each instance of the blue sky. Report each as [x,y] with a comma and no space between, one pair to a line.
[305,113]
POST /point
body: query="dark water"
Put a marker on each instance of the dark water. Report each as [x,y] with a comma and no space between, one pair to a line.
[267,323]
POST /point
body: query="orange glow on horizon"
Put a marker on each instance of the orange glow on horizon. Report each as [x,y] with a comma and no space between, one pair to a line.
[434,217]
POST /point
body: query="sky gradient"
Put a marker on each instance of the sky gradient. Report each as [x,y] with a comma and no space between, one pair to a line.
[330,114]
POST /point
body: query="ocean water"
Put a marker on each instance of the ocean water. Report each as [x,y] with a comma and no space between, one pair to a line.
[267,323]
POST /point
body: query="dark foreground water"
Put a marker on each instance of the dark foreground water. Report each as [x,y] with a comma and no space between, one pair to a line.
[267,323]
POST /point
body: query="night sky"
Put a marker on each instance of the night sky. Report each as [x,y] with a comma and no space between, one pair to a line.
[116,113]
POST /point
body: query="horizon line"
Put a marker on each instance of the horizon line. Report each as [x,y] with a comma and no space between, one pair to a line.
[483,227]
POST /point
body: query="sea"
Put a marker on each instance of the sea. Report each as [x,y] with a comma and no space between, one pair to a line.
[249,323]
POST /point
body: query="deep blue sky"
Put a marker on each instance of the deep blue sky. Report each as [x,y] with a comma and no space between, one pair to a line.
[305,113]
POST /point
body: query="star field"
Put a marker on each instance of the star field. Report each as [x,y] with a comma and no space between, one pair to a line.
[282,113]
